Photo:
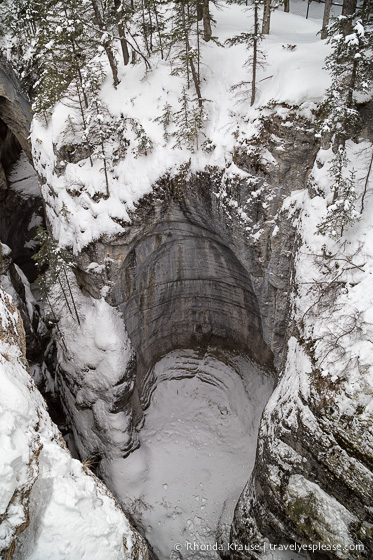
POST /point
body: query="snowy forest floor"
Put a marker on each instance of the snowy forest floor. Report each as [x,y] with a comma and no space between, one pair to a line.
[293,74]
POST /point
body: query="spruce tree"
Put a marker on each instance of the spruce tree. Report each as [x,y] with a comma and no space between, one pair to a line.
[55,265]
[351,71]
[350,68]
[105,40]
[341,213]
[256,56]
[189,121]
[183,39]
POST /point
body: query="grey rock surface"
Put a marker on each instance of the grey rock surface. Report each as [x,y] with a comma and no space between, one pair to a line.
[207,261]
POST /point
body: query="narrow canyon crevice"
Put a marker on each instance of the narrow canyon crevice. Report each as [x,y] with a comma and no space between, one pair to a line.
[186,278]
[195,308]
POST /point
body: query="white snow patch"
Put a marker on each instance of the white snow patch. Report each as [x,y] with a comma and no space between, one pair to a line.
[72,515]
[293,77]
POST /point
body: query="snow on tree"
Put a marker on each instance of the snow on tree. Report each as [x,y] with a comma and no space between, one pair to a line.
[341,213]
[189,121]
[350,68]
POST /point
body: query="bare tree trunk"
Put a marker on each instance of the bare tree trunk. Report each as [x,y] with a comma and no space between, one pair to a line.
[196,83]
[122,35]
[366,184]
[266,17]
[186,40]
[64,295]
[150,28]
[349,8]
[105,168]
[190,59]
[351,85]
[71,295]
[286,6]
[365,11]
[84,122]
[56,323]
[207,33]
[198,52]
[160,42]
[199,11]
[106,45]
[325,21]
[255,53]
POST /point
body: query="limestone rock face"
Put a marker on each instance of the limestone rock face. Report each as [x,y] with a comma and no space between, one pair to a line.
[20,198]
[15,110]
[19,217]
[313,479]
[205,262]
[181,287]
[13,281]
[208,261]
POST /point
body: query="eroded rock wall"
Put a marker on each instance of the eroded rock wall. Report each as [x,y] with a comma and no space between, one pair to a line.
[209,258]
[206,260]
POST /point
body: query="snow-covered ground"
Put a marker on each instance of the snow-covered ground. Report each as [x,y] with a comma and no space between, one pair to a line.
[197,450]
[334,306]
[291,75]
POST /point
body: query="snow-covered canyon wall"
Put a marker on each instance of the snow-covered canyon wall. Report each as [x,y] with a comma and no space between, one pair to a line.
[217,253]
[313,480]
[238,227]
[197,268]
[51,506]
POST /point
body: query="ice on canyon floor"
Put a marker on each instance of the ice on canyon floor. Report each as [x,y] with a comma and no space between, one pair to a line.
[23,178]
[197,451]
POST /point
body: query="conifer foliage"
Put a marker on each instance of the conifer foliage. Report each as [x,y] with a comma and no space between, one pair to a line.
[350,68]
[68,40]
[341,213]
[55,265]
[256,55]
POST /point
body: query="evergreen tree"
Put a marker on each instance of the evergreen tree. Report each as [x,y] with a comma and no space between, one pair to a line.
[256,57]
[341,213]
[105,40]
[350,68]
[186,58]
[189,121]
[55,264]
[121,18]
[63,48]
[165,120]
[351,71]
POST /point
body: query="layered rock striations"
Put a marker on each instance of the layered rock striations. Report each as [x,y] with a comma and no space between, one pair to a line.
[209,261]
[20,198]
